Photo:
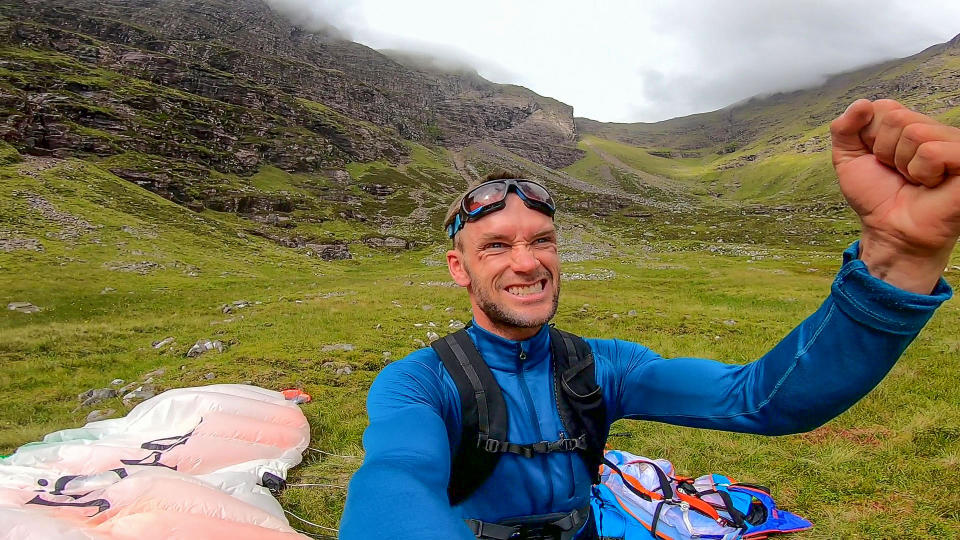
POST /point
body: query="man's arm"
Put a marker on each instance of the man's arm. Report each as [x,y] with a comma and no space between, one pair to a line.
[400,491]
[821,368]
[900,172]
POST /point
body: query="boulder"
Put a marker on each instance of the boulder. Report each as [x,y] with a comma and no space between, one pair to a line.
[162,343]
[204,345]
[23,307]
[142,393]
[159,372]
[330,252]
[96,395]
[127,388]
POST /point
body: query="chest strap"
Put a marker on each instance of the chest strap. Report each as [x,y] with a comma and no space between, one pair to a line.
[528,450]
[548,527]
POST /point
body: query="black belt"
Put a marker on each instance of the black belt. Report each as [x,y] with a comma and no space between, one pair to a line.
[547,527]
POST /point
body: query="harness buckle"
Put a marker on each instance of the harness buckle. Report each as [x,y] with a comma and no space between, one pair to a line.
[569,445]
[492,445]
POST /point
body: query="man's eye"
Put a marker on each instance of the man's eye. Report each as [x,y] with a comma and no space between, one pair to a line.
[495,245]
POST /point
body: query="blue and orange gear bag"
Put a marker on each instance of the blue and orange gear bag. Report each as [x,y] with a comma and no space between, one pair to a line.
[642,498]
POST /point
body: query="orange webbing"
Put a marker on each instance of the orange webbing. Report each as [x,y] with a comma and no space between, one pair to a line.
[700,505]
[694,502]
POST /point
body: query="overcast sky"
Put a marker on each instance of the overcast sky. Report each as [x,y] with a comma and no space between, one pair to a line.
[643,61]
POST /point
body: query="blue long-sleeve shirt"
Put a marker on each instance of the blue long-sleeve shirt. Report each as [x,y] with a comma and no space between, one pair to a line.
[821,368]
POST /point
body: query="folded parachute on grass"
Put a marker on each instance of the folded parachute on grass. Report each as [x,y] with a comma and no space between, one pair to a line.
[188,463]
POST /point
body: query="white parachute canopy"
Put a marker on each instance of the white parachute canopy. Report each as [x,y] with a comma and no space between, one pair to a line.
[188,463]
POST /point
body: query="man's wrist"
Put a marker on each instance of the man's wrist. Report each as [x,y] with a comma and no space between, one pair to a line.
[912,270]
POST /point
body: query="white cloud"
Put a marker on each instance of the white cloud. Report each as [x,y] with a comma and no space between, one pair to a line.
[644,61]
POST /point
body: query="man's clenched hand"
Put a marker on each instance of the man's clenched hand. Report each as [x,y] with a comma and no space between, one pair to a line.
[900,171]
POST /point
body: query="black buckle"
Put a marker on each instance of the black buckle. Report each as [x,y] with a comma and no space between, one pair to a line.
[569,445]
[490,445]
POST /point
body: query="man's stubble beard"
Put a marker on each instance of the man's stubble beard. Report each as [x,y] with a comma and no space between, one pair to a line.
[501,317]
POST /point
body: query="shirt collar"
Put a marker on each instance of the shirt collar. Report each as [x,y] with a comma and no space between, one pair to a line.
[505,354]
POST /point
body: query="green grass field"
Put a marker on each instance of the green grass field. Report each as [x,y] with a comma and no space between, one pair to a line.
[121,268]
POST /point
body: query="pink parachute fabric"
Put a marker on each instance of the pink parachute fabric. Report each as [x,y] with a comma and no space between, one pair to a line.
[188,463]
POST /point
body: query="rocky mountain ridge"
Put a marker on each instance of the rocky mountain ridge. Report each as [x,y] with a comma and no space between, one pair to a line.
[243,53]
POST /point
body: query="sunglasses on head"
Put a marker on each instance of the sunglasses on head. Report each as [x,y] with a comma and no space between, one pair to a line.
[492,196]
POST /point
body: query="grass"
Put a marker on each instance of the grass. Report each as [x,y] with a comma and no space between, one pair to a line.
[864,475]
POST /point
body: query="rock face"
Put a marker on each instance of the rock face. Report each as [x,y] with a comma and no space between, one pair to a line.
[271,93]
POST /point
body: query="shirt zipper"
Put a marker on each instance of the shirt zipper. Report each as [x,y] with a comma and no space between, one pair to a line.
[545,467]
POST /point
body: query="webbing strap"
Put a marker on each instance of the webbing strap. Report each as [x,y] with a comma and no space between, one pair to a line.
[483,416]
[562,528]
[736,516]
[529,450]
[483,413]
[656,518]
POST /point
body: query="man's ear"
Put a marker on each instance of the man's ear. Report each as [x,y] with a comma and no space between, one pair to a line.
[457,269]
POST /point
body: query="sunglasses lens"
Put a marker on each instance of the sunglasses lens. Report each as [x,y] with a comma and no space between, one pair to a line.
[484,195]
[536,192]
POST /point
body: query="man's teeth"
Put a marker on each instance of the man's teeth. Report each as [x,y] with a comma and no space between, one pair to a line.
[529,289]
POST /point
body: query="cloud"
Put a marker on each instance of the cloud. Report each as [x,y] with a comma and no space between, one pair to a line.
[723,52]
[313,16]
[621,60]
[351,20]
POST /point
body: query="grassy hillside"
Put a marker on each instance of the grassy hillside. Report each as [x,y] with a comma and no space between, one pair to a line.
[115,268]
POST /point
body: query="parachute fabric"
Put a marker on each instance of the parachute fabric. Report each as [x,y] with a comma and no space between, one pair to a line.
[187,463]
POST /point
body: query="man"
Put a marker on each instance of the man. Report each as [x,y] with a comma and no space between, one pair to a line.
[898,169]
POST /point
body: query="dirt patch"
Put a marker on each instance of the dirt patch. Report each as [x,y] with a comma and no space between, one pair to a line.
[872,436]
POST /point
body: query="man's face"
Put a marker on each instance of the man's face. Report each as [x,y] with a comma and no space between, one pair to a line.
[509,265]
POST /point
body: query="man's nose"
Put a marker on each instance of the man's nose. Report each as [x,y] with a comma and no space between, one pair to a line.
[524,259]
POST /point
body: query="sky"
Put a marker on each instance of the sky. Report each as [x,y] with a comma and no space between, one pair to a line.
[644,61]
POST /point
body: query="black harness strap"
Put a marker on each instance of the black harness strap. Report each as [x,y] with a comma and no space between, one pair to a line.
[579,397]
[547,527]
[483,414]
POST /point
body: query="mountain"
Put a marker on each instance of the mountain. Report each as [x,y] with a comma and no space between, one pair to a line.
[309,139]
[244,53]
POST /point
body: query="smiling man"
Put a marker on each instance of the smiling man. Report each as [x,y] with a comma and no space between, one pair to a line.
[511,267]
[496,430]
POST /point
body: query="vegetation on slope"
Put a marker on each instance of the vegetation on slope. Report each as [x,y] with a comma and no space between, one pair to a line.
[118,268]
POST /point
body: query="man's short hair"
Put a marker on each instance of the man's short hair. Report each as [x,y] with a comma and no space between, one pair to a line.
[501,174]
